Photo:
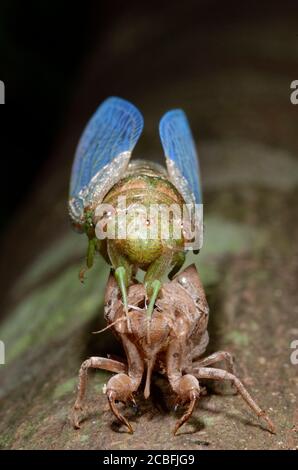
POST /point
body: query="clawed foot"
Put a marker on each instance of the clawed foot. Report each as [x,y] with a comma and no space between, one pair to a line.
[188,391]
[119,388]
[270,426]
[112,402]
[76,414]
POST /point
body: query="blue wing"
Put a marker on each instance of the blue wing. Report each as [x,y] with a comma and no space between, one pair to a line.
[114,129]
[181,155]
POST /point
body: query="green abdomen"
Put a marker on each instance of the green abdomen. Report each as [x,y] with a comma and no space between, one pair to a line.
[145,190]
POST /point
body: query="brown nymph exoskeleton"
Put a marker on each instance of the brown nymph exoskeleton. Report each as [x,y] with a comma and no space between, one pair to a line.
[171,342]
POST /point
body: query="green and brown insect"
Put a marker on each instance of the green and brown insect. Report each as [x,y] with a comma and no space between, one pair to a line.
[102,173]
[162,325]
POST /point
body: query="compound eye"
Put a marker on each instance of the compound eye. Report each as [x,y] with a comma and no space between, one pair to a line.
[79,228]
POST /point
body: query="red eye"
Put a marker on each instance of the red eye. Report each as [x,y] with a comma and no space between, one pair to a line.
[78,227]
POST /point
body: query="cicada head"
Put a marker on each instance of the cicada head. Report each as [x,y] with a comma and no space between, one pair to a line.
[86,224]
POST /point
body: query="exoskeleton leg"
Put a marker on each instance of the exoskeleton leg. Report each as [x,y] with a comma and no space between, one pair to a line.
[188,391]
[213,359]
[217,357]
[219,374]
[185,386]
[121,387]
[92,363]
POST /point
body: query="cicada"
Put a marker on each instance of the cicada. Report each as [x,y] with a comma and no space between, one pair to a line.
[173,313]
[103,172]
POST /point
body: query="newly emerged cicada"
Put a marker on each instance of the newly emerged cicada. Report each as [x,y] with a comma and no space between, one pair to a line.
[134,215]
[151,209]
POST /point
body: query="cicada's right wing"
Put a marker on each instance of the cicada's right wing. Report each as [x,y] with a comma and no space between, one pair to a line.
[183,168]
[103,154]
[181,156]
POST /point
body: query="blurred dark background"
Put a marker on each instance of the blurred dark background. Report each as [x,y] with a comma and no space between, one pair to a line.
[45,47]
[42,45]
[228,64]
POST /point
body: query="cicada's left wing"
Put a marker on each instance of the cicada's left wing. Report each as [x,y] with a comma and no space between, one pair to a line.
[181,156]
[103,154]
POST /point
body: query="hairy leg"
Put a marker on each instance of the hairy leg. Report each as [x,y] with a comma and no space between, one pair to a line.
[219,374]
[217,357]
[92,363]
[213,359]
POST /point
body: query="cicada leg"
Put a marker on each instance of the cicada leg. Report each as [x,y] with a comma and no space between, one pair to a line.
[153,277]
[123,274]
[169,261]
[214,358]
[92,363]
[178,259]
[92,246]
[219,374]
[121,387]
[218,356]
[185,386]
